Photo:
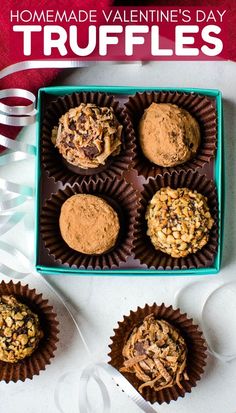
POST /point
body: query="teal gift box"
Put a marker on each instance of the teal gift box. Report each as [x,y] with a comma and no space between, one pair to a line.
[44,262]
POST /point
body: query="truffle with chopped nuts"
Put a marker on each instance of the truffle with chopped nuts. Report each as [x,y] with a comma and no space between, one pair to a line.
[20,330]
[179,221]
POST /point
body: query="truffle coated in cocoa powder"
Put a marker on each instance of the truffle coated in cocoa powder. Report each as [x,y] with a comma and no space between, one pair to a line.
[88,224]
[168,134]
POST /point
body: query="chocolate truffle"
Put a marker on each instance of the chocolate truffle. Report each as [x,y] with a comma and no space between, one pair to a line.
[87,135]
[20,330]
[168,134]
[156,353]
[88,224]
[179,221]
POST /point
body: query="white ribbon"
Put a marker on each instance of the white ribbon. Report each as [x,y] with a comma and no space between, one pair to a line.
[8,221]
[18,110]
[125,385]
[17,146]
[202,309]
[24,190]
[15,116]
[22,116]
[92,371]
[84,403]
[11,202]
[12,157]
[54,64]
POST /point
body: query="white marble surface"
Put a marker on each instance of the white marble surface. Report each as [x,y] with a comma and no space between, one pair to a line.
[101,301]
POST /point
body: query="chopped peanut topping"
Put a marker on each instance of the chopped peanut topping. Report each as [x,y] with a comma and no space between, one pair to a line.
[179,221]
[19,330]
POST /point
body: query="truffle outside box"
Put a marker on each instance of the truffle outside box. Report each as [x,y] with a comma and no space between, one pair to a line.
[43,265]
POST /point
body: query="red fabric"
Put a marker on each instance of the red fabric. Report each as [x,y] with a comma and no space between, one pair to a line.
[34,79]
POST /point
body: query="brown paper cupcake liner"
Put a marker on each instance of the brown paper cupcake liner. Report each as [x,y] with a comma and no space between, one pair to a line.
[120,195]
[143,247]
[200,107]
[196,356]
[32,365]
[61,170]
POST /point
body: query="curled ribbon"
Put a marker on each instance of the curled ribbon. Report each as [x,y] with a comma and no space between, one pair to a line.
[120,380]
[15,116]
[52,64]
[18,110]
[15,195]
[202,312]
[93,372]
[9,221]
[17,146]
[22,116]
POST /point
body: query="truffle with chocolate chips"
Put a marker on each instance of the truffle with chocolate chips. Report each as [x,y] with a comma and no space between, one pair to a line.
[87,135]
[168,134]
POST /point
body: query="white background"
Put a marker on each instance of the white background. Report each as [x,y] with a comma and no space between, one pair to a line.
[99,302]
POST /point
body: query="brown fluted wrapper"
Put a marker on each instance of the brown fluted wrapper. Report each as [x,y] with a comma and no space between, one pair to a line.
[61,170]
[32,365]
[143,247]
[202,108]
[196,356]
[120,195]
